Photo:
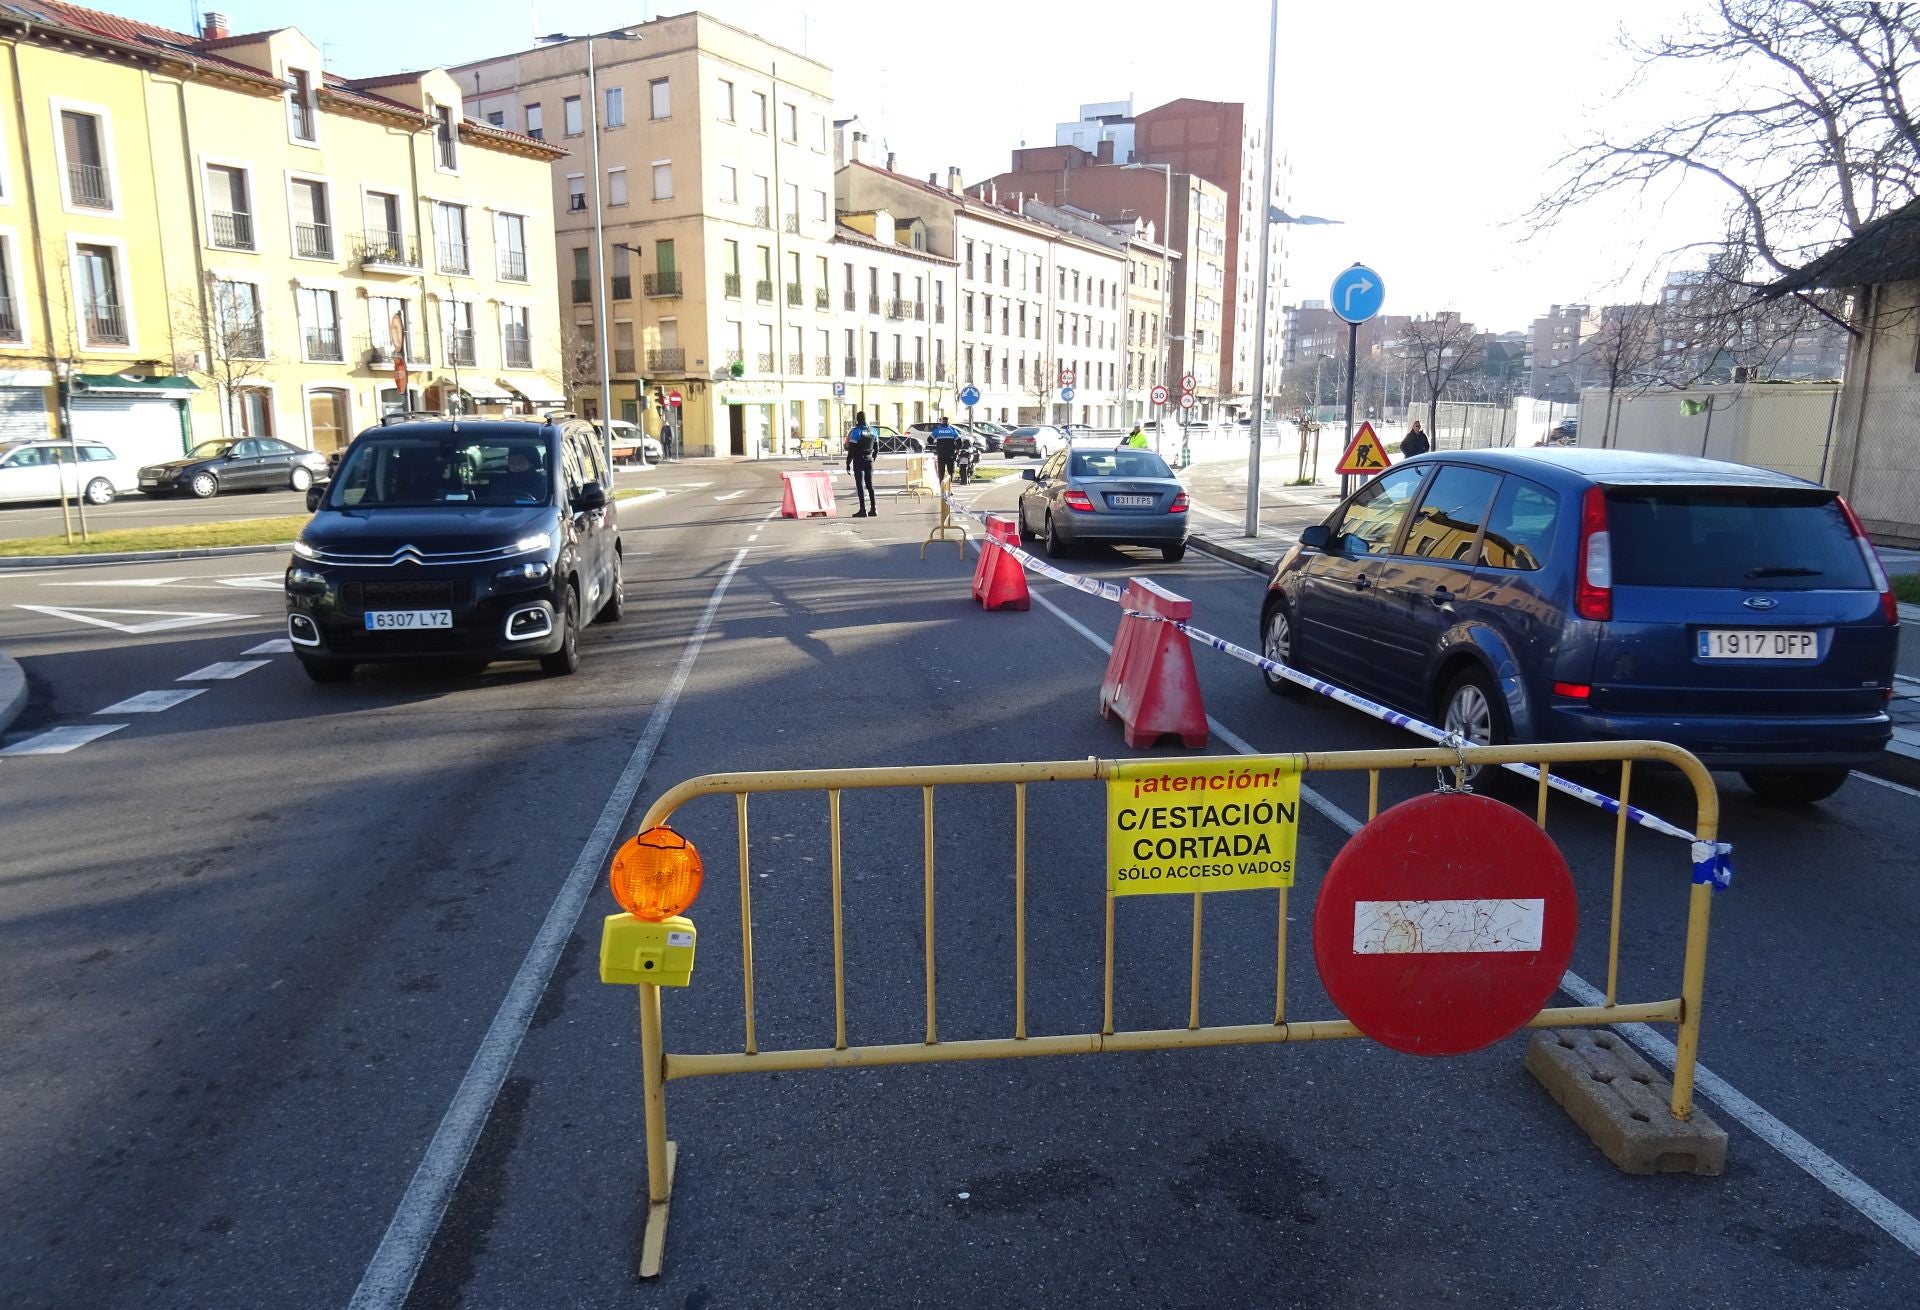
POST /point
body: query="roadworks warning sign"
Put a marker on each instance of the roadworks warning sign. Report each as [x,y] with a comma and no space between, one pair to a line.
[1364,453]
[1216,825]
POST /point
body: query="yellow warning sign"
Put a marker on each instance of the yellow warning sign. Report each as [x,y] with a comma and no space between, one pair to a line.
[1364,454]
[1208,825]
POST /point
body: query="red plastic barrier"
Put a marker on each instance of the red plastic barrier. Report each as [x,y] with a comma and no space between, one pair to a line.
[1150,685]
[998,580]
[807,493]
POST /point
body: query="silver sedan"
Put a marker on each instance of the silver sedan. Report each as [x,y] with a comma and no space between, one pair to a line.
[1114,497]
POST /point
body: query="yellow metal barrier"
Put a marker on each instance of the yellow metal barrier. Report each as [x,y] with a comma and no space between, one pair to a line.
[660,1067]
[946,528]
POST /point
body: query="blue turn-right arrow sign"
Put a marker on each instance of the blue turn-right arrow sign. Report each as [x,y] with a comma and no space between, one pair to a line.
[1358,294]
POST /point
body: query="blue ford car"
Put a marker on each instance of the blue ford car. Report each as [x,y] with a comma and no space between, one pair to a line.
[1575,595]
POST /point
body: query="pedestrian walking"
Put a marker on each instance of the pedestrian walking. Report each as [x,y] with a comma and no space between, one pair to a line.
[946,447]
[1415,442]
[863,443]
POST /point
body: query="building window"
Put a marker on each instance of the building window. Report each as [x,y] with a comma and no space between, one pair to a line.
[820,210]
[446,140]
[575,125]
[312,226]
[516,338]
[510,242]
[820,133]
[759,123]
[390,329]
[238,333]
[89,184]
[790,124]
[730,271]
[319,325]
[229,208]
[497,118]
[536,127]
[300,117]
[582,276]
[616,114]
[456,318]
[9,304]
[729,184]
[576,193]
[726,101]
[662,180]
[450,231]
[660,98]
[616,186]
[256,411]
[622,273]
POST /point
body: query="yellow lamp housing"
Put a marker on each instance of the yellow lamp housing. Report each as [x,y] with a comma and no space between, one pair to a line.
[659,952]
[655,875]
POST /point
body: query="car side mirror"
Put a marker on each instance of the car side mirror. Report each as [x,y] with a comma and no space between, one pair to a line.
[1031,475]
[1317,537]
[592,498]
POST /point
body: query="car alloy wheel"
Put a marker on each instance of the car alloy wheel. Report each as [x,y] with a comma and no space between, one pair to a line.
[567,658]
[616,603]
[1276,643]
[302,479]
[99,491]
[204,485]
[1474,714]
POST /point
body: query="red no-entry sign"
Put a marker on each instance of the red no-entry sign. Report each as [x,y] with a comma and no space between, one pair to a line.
[673,398]
[1444,924]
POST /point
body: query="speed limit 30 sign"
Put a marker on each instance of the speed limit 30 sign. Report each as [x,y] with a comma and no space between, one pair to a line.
[1159,395]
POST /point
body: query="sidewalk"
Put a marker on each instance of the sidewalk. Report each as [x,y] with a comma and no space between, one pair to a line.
[13,691]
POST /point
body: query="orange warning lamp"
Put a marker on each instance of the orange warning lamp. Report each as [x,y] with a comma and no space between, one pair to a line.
[656,875]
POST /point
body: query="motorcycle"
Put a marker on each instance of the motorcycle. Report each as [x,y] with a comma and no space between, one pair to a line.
[965,459]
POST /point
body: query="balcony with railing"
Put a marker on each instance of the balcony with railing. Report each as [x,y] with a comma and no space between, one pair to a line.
[106,322]
[791,222]
[761,218]
[850,301]
[452,257]
[662,284]
[795,294]
[939,372]
[899,371]
[796,365]
[243,341]
[313,240]
[671,360]
[940,312]
[763,291]
[919,370]
[873,304]
[623,286]
[852,368]
[823,366]
[919,311]
[89,186]
[516,351]
[822,298]
[765,360]
[873,368]
[582,290]
[623,362]
[513,266]
[387,251]
[899,308]
[730,286]
[460,351]
[380,357]
[232,231]
[323,345]
[734,357]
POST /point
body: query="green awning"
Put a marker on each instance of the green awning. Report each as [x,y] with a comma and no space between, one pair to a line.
[126,386]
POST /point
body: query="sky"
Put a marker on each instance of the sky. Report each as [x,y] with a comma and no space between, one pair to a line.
[1428,129]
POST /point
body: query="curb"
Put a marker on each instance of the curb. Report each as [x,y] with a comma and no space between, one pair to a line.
[13,690]
[1232,555]
[138,556]
[1897,763]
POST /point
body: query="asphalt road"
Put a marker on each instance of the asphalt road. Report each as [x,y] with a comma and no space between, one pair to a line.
[251,945]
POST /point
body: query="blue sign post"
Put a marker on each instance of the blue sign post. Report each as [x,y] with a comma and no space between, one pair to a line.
[1066,393]
[969,395]
[1357,295]
[839,391]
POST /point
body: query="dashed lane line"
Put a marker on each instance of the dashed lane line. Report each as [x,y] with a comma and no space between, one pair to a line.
[58,741]
[224,671]
[152,702]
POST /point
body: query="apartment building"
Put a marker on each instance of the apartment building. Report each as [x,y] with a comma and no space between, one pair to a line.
[715,185]
[894,344]
[1194,212]
[1560,365]
[207,235]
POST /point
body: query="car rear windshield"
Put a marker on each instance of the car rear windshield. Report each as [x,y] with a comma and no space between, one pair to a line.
[389,472]
[1118,464]
[1753,539]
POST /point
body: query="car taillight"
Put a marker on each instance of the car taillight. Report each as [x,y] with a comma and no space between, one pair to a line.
[1077,500]
[1889,604]
[1593,588]
[1179,505]
[1572,690]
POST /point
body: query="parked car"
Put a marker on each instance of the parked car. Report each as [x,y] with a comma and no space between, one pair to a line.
[990,434]
[1577,595]
[43,470]
[894,442]
[1035,440]
[630,444]
[1564,433]
[923,433]
[492,540]
[242,464]
[1104,495]
[1077,431]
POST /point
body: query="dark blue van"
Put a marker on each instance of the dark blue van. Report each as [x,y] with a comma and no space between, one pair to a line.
[1573,595]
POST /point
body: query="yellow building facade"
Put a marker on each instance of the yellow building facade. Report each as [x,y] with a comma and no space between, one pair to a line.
[212,236]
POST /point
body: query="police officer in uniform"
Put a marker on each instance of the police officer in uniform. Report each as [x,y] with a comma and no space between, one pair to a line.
[863,443]
[946,447]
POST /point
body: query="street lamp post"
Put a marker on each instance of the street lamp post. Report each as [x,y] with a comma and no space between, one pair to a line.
[1260,310]
[608,420]
[599,232]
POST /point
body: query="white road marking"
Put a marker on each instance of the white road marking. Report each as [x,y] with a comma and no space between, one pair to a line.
[1887,783]
[152,702]
[112,582]
[164,620]
[731,495]
[58,741]
[278,646]
[1821,1167]
[389,1275]
[225,671]
[255,581]
[694,486]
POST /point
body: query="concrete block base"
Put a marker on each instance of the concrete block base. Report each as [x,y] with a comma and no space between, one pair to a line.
[1621,1102]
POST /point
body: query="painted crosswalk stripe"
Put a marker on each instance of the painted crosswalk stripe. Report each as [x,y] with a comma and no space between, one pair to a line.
[58,741]
[278,646]
[152,702]
[224,670]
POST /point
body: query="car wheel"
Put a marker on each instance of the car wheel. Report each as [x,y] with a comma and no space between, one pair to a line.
[99,492]
[1276,643]
[1793,786]
[326,670]
[567,658]
[1056,548]
[1026,533]
[1175,553]
[302,479]
[1474,710]
[204,485]
[616,602]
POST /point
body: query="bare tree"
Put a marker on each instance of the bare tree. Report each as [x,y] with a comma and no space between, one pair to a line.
[219,340]
[1623,352]
[1041,383]
[579,361]
[1438,350]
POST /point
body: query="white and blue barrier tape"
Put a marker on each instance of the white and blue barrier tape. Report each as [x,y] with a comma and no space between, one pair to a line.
[1712,861]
